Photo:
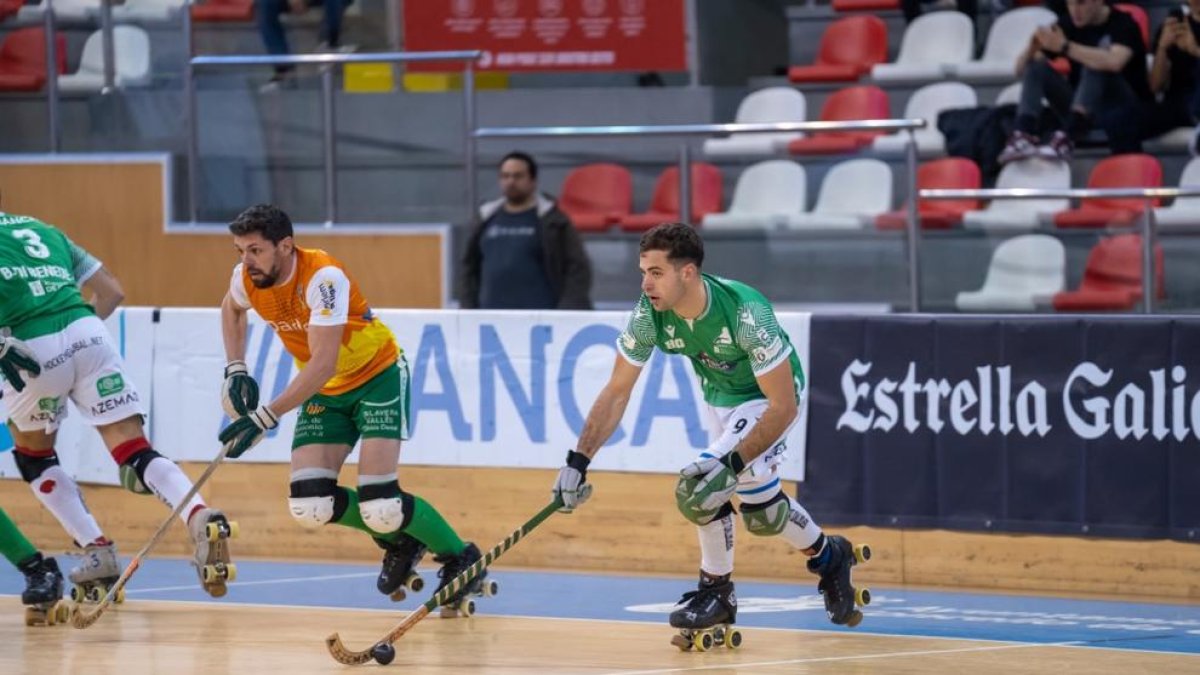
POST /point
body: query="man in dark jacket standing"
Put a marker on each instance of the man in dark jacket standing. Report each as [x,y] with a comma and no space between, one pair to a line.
[525,253]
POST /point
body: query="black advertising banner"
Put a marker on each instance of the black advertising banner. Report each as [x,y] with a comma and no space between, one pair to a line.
[1081,425]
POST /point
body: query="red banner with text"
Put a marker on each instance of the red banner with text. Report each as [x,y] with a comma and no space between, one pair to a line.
[551,35]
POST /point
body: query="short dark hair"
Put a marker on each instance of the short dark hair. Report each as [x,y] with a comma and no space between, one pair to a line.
[267,219]
[522,157]
[680,241]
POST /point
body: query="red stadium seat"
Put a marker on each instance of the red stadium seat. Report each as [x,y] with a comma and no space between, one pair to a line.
[23,59]
[1139,15]
[9,8]
[1132,170]
[849,47]
[213,11]
[1113,277]
[664,205]
[853,103]
[597,196]
[952,173]
[865,5]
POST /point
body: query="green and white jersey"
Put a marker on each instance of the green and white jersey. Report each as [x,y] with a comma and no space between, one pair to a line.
[40,269]
[734,340]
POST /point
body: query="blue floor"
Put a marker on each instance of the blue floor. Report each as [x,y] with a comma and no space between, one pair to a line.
[1121,625]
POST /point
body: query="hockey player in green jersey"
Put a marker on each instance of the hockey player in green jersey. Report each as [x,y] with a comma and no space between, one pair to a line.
[53,346]
[752,382]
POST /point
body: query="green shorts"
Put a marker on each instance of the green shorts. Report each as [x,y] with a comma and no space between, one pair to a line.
[377,409]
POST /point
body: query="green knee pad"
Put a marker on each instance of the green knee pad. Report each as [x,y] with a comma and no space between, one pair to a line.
[684,493]
[767,519]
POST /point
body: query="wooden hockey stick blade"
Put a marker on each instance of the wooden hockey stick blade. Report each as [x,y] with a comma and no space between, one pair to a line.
[84,619]
[350,657]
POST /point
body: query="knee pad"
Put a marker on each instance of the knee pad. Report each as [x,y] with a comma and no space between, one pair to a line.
[769,518]
[312,501]
[384,507]
[33,463]
[133,457]
[706,517]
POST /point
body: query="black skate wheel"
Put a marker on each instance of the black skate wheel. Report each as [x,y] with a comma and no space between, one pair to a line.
[383,653]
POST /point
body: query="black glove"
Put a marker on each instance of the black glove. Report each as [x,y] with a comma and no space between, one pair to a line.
[16,356]
[571,485]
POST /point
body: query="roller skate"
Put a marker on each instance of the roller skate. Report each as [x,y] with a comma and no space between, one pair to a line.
[399,573]
[707,615]
[462,602]
[842,599]
[97,571]
[211,531]
[43,592]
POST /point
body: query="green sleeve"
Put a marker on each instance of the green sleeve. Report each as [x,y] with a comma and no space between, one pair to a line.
[636,342]
[83,264]
[759,335]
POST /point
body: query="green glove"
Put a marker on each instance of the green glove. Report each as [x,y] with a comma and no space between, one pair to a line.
[16,356]
[245,432]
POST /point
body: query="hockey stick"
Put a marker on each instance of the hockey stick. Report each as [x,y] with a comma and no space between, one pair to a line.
[382,651]
[82,619]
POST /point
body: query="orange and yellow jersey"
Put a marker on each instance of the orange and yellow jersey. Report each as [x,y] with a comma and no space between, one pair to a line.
[320,292]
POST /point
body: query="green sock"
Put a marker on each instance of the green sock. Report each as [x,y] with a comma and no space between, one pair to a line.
[13,544]
[426,525]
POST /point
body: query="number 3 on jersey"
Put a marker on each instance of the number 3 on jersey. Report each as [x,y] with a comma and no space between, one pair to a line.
[33,243]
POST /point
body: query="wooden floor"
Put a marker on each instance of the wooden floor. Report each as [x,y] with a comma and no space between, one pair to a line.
[180,637]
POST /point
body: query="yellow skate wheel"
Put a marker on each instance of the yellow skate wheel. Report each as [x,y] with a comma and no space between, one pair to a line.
[212,531]
[230,571]
[414,583]
[682,642]
[862,553]
[209,574]
[733,638]
[862,597]
[855,619]
[62,611]
[78,594]
[702,641]
[34,617]
[95,593]
[234,529]
[491,588]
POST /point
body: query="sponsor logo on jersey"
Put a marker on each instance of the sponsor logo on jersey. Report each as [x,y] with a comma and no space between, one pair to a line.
[723,366]
[111,404]
[328,298]
[288,326]
[110,384]
[670,330]
[48,404]
[314,409]
[723,343]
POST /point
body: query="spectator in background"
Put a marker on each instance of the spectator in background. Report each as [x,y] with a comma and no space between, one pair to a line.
[1173,77]
[525,253]
[267,14]
[1107,82]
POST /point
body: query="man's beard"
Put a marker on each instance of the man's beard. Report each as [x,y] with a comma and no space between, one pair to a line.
[264,281]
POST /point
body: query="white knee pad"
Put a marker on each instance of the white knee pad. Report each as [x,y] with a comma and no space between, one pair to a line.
[382,515]
[311,512]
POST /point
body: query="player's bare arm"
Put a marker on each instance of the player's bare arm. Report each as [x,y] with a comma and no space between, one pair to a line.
[233,329]
[609,408]
[779,388]
[323,343]
[106,292]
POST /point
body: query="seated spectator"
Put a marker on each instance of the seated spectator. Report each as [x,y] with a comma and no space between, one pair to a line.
[267,13]
[1107,82]
[1173,77]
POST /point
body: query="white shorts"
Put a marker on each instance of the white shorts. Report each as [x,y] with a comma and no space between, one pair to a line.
[78,362]
[760,481]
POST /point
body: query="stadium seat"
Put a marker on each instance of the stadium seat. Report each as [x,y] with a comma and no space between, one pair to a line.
[1140,17]
[865,5]
[954,173]
[10,8]
[931,44]
[213,11]
[773,104]
[64,10]
[1025,272]
[927,103]
[664,205]
[1118,171]
[1112,279]
[597,196]
[23,59]
[1183,211]
[852,103]
[148,10]
[852,194]
[131,49]
[849,48]
[1007,38]
[1023,214]
[767,193]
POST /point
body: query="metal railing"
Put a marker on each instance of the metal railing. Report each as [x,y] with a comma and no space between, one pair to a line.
[1149,230]
[50,28]
[907,126]
[328,117]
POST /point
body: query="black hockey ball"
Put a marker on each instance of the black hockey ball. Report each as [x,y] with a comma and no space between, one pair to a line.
[383,653]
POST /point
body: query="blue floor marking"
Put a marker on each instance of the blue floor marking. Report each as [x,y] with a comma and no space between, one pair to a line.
[894,611]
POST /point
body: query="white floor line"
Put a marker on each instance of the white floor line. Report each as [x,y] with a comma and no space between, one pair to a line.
[263,582]
[850,657]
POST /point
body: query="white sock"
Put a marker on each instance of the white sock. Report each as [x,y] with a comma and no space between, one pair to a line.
[716,546]
[60,494]
[800,531]
[170,483]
